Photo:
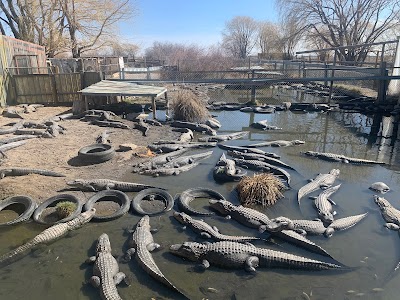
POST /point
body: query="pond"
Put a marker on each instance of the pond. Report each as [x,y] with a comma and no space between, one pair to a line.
[58,271]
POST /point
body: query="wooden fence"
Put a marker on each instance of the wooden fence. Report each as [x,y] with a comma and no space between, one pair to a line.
[48,88]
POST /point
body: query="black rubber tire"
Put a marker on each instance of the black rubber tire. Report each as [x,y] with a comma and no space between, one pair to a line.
[190,211]
[96,153]
[122,198]
[168,199]
[26,201]
[54,200]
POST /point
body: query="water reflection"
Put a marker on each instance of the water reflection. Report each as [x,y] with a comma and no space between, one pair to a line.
[58,272]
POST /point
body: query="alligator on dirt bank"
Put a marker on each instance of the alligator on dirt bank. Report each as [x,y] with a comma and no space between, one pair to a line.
[95,185]
[106,275]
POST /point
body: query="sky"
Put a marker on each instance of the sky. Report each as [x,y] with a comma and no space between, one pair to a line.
[190,21]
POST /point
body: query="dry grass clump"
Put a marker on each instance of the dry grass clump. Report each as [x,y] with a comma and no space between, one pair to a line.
[264,189]
[188,107]
[65,208]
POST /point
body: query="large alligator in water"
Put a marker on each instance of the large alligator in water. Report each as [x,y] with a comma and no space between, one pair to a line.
[226,170]
[323,204]
[209,232]
[254,219]
[264,126]
[22,171]
[322,181]
[187,160]
[277,143]
[168,171]
[143,245]
[95,185]
[224,137]
[247,150]
[106,275]
[390,214]
[166,148]
[159,160]
[238,255]
[314,227]
[48,235]
[342,158]
[195,127]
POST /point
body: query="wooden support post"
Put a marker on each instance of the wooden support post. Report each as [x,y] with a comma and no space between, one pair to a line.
[166,104]
[153,104]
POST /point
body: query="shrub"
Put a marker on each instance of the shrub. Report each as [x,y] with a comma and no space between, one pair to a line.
[65,208]
[188,107]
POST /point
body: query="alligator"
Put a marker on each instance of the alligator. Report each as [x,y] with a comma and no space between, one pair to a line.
[235,255]
[224,137]
[103,138]
[324,205]
[95,185]
[342,158]
[195,127]
[11,113]
[12,145]
[209,232]
[263,158]
[263,166]
[106,275]
[186,136]
[247,150]
[220,175]
[12,129]
[165,148]
[48,235]
[143,244]
[277,143]
[159,160]
[55,129]
[390,214]
[168,171]
[322,181]
[229,164]
[186,160]
[213,123]
[16,139]
[314,227]
[140,125]
[380,187]
[109,123]
[254,219]
[22,171]
[264,126]
[152,122]
[189,195]
[38,132]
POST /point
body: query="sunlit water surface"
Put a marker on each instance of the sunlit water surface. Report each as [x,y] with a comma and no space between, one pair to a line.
[58,271]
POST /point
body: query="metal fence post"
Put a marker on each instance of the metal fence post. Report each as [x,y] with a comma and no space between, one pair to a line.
[382,87]
[253,90]
[326,73]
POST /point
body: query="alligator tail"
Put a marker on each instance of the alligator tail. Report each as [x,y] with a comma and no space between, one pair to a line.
[16,254]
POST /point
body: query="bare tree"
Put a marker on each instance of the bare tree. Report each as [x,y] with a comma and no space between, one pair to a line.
[239,36]
[344,22]
[290,34]
[268,38]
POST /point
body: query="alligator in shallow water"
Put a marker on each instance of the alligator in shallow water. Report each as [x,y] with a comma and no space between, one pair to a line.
[95,185]
[254,219]
[264,126]
[165,148]
[247,150]
[224,137]
[342,158]
[186,160]
[195,127]
[159,160]
[22,171]
[263,158]
[106,275]
[48,235]
[168,171]
[277,143]
[143,245]
[209,232]
[323,204]
[322,181]
[237,255]
[390,214]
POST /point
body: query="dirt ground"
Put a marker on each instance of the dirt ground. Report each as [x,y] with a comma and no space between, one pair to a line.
[59,154]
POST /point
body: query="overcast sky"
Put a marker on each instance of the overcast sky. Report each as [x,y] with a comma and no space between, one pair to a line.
[190,21]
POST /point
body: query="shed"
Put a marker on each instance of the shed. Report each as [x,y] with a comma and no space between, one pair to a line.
[124,88]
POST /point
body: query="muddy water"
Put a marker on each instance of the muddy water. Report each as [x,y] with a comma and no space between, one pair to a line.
[58,271]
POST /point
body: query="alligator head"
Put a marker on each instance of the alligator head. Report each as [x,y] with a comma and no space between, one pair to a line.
[381,202]
[76,183]
[182,217]
[279,224]
[191,251]
[103,244]
[222,206]
[298,142]
[326,217]
[144,222]
[335,172]
[311,153]
[329,232]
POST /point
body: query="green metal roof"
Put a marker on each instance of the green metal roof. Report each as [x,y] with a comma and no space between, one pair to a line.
[122,88]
